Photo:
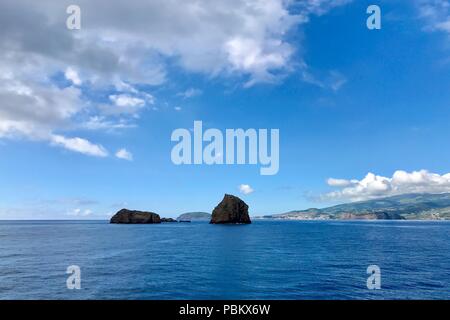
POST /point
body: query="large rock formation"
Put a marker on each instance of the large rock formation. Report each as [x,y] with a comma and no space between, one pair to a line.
[230,210]
[132,216]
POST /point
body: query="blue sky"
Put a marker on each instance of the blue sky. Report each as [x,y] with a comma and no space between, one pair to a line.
[348,102]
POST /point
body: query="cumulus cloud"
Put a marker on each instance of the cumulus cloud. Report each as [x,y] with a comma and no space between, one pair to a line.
[124,154]
[126,40]
[124,100]
[73,76]
[79,145]
[129,45]
[129,102]
[375,186]
[35,111]
[245,189]
[130,40]
[249,56]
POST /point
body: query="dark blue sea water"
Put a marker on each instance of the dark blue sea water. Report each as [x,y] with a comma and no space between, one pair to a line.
[264,260]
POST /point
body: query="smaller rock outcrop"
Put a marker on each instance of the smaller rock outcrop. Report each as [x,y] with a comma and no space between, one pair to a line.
[132,216]
[231,210]
[168,220]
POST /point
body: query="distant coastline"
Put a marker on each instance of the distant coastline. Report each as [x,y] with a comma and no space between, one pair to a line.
[401,207]
[412,207]
[418,207]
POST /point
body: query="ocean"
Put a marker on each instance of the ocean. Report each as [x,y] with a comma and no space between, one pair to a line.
[264,260]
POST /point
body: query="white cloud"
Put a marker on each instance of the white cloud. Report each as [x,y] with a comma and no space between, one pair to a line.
[337,80]
[318,7]
[124,154]
[436,14]
[245,189]
[32,109]
[127,104]
[79,145]
[401,182]
[101,123]
[256,58]
[124,100]
[72,75]
[339,182]
[126,46]
[130,41]
[190,93]
[177,108]
[35,111]
[333,80]
[80,213]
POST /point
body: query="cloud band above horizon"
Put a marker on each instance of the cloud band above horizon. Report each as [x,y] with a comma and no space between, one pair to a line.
[374,186]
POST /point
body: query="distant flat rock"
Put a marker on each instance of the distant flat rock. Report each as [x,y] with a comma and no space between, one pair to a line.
[168,220]
[231,210]
[137,217]
[197,216]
